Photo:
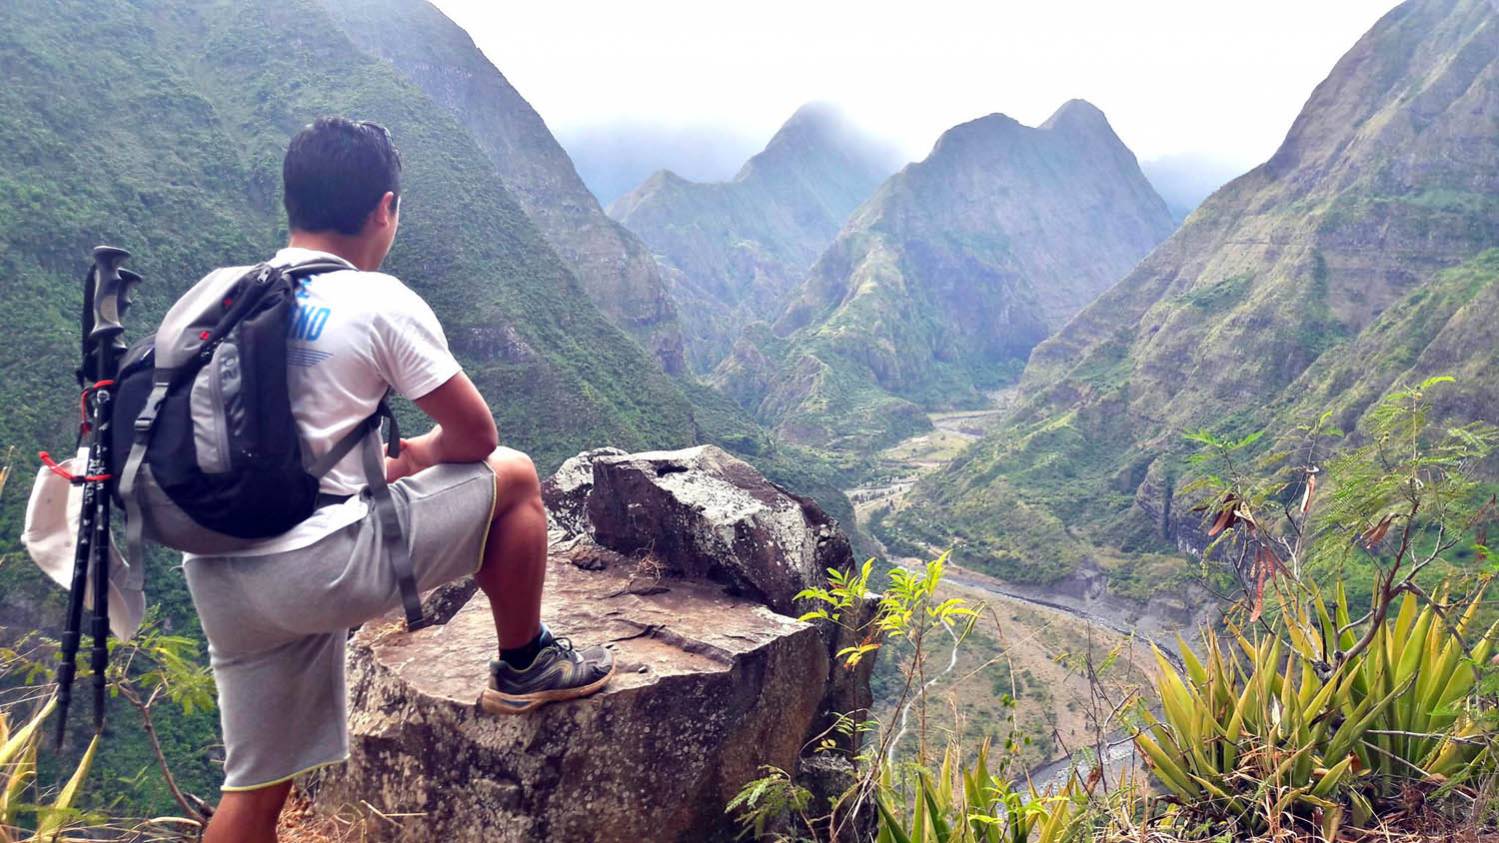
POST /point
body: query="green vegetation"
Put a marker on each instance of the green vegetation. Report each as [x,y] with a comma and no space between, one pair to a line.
[1276,738]
[1219,294]
[166,139]
[152,671]
[968,804]
[940,285]
[1030,498]
[1304,717]
[18,752]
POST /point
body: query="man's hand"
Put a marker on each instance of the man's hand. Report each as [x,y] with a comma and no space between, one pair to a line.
[415,456]
[465,430]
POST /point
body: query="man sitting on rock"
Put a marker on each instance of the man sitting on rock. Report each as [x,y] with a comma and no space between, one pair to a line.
[276,616]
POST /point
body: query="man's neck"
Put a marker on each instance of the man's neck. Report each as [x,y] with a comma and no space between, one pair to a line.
[352,249]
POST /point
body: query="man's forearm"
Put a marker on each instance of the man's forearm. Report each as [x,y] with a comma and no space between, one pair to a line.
[439,445]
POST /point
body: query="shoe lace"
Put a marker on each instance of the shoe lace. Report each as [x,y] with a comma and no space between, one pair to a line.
[562,643]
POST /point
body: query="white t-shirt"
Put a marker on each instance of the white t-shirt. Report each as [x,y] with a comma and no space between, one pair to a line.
[354,336]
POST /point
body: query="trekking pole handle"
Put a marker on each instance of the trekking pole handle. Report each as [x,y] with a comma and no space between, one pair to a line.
[112,286]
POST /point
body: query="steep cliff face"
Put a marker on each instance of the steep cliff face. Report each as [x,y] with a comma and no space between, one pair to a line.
[615,269]
[734,250]
[683,563]
[1314,281]
[940,285]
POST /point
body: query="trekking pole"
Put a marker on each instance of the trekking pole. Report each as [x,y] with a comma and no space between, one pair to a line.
[108,292]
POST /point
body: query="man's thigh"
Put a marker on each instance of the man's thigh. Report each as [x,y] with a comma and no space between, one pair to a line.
[250,604]
[445,515]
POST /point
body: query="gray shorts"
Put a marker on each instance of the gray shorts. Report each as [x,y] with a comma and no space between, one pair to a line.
[276,625]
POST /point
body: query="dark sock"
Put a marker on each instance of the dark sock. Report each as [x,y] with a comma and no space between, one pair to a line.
[520,658]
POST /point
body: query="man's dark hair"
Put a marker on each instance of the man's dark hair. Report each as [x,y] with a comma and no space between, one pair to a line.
[335,172]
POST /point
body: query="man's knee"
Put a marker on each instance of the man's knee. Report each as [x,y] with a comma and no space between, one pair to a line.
[514,476]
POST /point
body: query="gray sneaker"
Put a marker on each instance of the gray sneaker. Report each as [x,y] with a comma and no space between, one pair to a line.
[559,672]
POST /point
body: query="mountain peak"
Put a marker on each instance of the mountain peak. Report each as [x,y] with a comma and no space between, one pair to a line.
[1077,114]
[1076,118]
[818,132]
[976,131]
[814,116]
[738,248]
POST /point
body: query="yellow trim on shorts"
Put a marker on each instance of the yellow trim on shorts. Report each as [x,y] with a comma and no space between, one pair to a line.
[284,779]
[494,503]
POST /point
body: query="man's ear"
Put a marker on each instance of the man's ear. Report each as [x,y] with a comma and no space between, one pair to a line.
[386,210]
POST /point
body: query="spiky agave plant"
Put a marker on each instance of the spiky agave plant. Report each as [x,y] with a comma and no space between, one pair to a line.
[967,804]
[1266,729]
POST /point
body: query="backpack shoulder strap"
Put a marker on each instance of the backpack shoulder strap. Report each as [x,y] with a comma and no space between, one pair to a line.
[391,535]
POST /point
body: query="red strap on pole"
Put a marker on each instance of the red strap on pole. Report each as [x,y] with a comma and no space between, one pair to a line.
[53,466]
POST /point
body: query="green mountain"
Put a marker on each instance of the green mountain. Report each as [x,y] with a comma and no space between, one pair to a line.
[159,126]
[940,285]
[1352,260]
[733,251]
[616,270]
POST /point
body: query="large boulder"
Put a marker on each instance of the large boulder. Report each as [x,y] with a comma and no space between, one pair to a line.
[700,513]
[704,514]
[713,679]
[566,492]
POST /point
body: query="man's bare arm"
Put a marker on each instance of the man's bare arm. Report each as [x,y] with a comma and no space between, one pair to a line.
[465,430]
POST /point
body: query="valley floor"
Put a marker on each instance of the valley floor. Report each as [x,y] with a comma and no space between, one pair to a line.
[1057,661]
[1048,679]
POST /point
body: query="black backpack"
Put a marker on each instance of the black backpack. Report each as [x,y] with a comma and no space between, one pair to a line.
[215,462]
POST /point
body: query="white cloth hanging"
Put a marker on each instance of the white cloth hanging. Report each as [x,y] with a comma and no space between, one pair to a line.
[51,537]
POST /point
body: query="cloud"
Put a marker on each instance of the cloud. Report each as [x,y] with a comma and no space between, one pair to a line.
[614,156]
[1176,77]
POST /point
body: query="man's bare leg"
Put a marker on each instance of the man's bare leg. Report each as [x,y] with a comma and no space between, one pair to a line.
[247,816]
[532,670]
[515,555]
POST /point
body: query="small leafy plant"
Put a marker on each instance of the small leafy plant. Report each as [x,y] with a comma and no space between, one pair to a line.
[18,751]
[150,669]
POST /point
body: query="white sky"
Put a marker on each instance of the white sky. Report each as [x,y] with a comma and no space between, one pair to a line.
[1203,78]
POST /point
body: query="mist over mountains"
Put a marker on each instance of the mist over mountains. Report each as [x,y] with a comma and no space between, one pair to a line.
[938,287]
[614,158]
[1185,180]
[734,250]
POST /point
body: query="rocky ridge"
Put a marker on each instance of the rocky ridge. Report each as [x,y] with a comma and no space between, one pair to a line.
[614,267]
[685,564]
[940,285]
[1354,259]
[733,251]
